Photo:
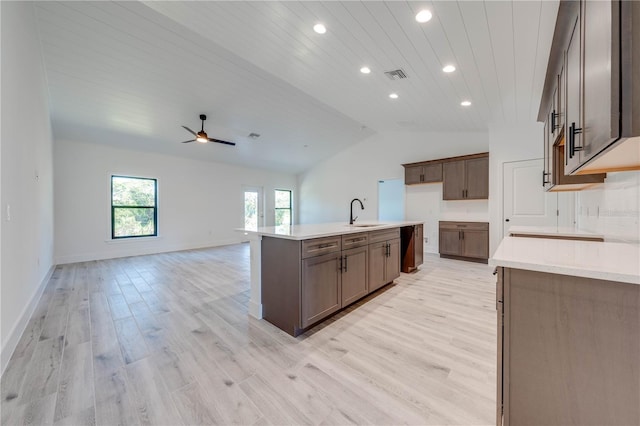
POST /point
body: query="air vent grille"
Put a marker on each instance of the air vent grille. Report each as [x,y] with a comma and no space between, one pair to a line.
[396,74]
[254,135]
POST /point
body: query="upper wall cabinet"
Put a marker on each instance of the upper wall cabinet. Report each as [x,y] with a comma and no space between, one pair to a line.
[466,179]
[426,172]
[591,98]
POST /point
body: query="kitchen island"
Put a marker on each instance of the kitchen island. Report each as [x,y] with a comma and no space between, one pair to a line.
[302,274]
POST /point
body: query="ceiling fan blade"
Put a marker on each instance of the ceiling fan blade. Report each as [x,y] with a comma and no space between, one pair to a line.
[192,140]
[189,130]
[221,141]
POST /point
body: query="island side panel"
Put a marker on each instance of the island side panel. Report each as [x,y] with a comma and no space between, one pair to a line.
[281,265]
[255,249]
[572,350]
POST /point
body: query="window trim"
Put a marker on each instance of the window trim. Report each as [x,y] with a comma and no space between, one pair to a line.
[275,209]
[113,207]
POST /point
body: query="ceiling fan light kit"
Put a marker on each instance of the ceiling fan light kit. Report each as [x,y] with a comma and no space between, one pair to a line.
[202,137]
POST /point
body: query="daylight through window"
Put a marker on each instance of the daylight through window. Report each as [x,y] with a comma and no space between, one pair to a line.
[133,207]
[283,207]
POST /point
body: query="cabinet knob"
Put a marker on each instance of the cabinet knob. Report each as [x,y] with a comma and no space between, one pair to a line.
[506,220]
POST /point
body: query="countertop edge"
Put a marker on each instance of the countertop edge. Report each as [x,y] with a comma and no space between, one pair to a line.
[340,229]
[518,256]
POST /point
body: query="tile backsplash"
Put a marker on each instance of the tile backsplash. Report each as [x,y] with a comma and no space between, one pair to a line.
[613,209]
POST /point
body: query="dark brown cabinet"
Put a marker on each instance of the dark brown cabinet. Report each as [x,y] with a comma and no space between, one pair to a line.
[568,350]
[466,179]
[564,106]
[592,76]
[304,282]
[574,81]
[384,258]
[464,240]
[423,173]
[354,275]
[321,290]
[412,240]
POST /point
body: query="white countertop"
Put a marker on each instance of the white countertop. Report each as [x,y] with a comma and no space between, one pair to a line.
[554,231]
[317,230]
[610,261]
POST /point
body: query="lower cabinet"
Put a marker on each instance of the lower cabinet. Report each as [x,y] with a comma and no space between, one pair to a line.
[333,281]
[304,282]
[568,350]
[384,263]
[355,274]
[464,240]
[321,289]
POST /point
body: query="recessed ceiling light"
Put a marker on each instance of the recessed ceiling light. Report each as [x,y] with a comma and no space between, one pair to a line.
[319,28]
[465,103]
[365,70]
[423,16]
[393,96]
[449,68]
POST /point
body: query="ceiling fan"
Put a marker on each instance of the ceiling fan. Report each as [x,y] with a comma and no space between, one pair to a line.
[202,137]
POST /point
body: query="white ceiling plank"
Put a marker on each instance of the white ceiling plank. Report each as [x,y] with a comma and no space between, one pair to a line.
[135,72]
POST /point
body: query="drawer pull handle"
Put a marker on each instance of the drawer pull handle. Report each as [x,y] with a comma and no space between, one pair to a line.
[322,246]
[357,240]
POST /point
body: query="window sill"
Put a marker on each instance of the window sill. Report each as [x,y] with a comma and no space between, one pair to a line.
[131,240]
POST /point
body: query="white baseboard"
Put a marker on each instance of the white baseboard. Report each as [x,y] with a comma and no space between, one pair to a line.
[255,309]
[133,250]
[21,325]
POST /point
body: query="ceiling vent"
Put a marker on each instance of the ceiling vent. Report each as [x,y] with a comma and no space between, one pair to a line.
[395,74]
[254,135]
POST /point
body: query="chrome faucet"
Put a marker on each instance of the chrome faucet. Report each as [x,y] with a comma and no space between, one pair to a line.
[351,218]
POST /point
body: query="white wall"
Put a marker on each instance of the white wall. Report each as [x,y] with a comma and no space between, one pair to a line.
[26,173]
[613,209]
[508,143]
[326,190]
[200,203]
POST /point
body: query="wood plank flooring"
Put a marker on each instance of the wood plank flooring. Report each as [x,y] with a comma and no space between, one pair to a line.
[166,340]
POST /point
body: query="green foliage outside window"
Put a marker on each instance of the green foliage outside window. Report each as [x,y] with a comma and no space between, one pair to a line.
[283,207]
[133,207]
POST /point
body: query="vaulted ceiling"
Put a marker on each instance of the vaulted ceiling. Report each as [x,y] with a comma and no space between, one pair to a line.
[131,73]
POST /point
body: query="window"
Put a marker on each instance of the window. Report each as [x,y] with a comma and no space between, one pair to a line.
[283,207]
[134,210]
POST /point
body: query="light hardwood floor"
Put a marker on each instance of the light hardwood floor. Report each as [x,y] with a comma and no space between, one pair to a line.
[166,340]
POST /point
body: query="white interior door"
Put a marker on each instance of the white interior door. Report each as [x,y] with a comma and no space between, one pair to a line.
[525,203]
[253,208]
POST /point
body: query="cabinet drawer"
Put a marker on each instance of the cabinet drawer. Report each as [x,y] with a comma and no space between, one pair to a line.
[384,235]
[472,226]
[355,240]
[318,246]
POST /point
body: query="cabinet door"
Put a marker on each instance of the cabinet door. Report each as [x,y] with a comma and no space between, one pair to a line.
[392,269]
[559,99]
[453,180]
[377,263]
[477,179]
[552,116]
[601,123]
[418,246]
[320,287]
[475,244]
[432,172]
[412,175]
[450,242]
[572,100]
[354,274]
